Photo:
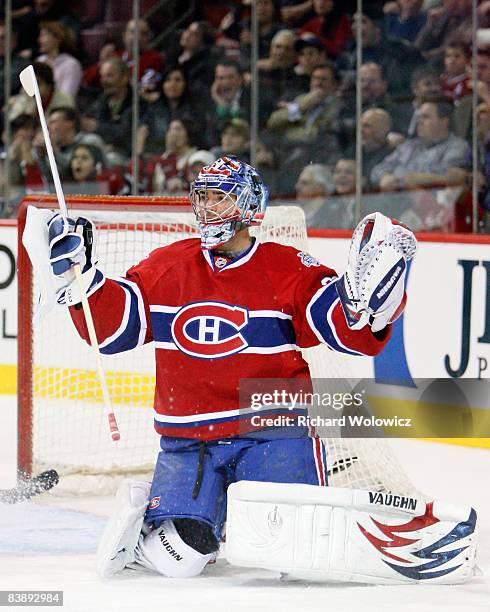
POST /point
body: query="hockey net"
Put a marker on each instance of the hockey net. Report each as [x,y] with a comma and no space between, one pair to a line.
[62,422]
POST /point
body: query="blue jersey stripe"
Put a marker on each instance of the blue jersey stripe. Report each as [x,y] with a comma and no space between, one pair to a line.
[128,337]
[266,332]
[318,309]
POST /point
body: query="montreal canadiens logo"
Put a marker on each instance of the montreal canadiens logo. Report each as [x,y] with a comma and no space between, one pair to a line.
[210,329]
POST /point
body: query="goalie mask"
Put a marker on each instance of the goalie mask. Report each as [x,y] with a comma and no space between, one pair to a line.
[226,197]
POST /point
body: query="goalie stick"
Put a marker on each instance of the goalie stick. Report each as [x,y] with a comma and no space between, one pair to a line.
[29,83]
[30,487]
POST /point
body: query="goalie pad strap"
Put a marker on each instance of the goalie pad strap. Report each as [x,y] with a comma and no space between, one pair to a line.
[328,534]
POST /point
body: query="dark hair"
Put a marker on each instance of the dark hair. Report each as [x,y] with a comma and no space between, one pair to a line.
[21,121]
[96,153]
[461,45]
[176,68]
[423,72]
[192,127]
[44,73]
[484,52]
[70,114]
[228,63]
[329,66]
[444,106]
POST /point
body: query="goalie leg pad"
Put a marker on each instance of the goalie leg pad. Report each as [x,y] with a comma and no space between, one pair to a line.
[117,546]
[328,534]
[165,551]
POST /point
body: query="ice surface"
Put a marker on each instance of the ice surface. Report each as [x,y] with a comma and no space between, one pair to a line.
[50,544]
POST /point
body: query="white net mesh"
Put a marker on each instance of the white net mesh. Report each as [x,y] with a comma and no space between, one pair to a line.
[70,431]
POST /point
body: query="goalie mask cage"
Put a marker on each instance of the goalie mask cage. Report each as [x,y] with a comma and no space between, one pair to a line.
[61,418]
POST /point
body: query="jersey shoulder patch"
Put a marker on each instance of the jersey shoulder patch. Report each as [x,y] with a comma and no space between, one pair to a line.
[308,260]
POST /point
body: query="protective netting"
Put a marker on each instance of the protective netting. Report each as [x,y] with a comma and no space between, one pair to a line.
[70,431]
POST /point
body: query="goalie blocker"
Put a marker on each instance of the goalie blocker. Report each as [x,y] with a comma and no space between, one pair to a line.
[328,534]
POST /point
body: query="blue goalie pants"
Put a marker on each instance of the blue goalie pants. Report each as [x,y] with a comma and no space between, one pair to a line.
[191,477]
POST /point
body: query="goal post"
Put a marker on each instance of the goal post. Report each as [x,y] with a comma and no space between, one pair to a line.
[61,420]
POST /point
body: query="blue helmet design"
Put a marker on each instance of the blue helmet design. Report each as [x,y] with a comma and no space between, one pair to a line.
[226,197]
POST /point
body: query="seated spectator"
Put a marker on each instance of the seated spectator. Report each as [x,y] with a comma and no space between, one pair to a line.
[425,83]
[397,58]
[235,140]
[463,220]
[90,84]
[174,100]
[344,177]
[230,99]
[277,70]
[266,162]
[455,78]
[483,69]
[44,10]
[88,173]
[311,53]
[338,212]
[194,56]
[331,25]
[375,127]
[196,163]
[17,63]
[110,115]
[452,20]
[405,18]
[426,211]
[374,91]
[463,111]
[20,153]
[312,188]
[22,104]
[269,23]
[166,173]
[310,121]
[426,159]
[63,124]
[151,62]
[56,44]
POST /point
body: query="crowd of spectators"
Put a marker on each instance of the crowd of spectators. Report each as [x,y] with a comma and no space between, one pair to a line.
[195,101]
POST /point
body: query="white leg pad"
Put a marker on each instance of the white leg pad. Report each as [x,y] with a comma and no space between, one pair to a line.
[164,551]
[331,534]
[117,546]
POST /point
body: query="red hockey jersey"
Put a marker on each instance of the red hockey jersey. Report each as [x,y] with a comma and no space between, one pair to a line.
[214,326]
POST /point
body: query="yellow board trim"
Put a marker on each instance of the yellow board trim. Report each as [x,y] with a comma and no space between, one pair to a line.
[83,385]
[8,379]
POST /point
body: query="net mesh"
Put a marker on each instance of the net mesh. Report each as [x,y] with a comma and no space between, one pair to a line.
[70,431]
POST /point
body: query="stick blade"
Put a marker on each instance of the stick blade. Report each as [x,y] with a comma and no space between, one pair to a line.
[30,487]
[28,80]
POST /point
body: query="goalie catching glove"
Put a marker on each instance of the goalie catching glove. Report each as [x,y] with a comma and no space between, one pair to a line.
[372,289]
[72,242]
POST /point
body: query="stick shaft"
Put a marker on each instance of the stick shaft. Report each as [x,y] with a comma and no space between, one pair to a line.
[95,345]
[52,162]
[115,435]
